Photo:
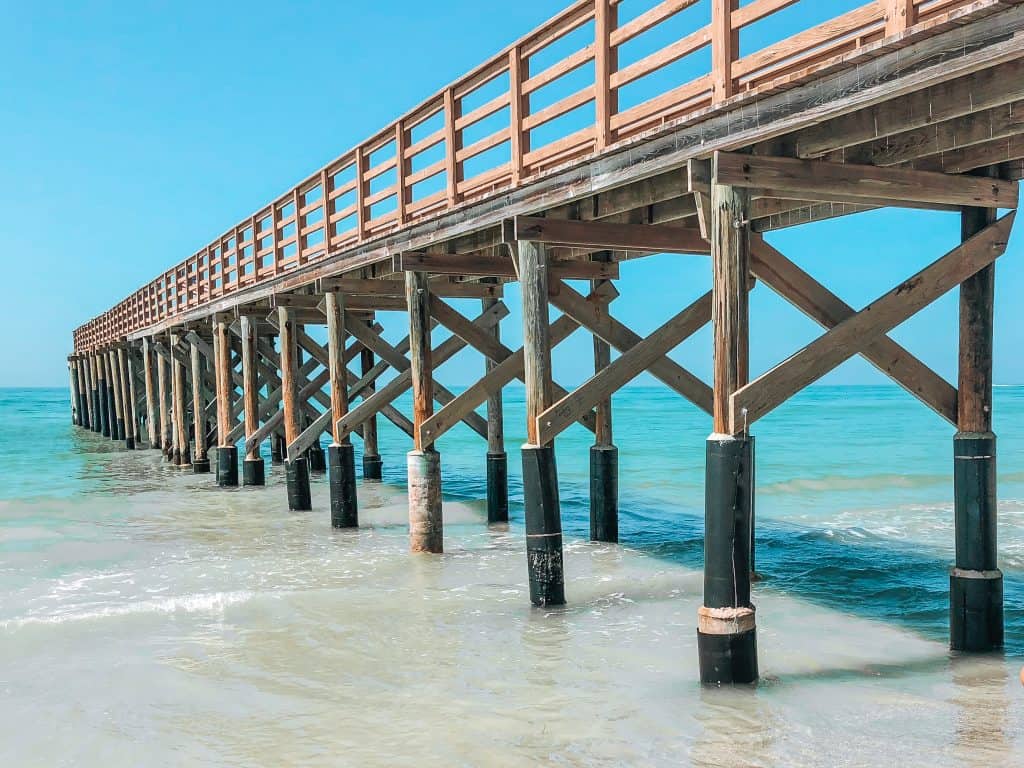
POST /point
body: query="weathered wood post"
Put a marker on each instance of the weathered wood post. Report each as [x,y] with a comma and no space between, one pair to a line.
[726,629]
[296,467]
[497,458]
[162,384]
[277,448]
[253,468]
[540,474]
[102,391]
[426,521]
[341,456]
[372,464]
[604,456]
[76,399]
[127,397]
[200,458]
[178,407]
[114,384]
[151,397]
[975,581]
[227,453]
[94,386]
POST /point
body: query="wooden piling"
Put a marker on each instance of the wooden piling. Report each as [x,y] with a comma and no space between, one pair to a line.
[127,398]
[164,406]
[152,421]
[103,392]
[975,581]
[253,469]
[296,467]
[227,452]
[76,400]
[94,393]
[540,474]
[426,524]
[341,452]
[604,455]
[182,457]
[200,457]
[497,458]
[372,464]
[726,630]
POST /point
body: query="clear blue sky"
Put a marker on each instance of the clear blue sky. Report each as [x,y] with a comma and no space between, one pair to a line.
[133,133]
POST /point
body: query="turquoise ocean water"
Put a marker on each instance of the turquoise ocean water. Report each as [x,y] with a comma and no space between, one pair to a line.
[147,617]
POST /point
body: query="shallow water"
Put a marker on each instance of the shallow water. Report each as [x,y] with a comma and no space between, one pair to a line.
[147,618]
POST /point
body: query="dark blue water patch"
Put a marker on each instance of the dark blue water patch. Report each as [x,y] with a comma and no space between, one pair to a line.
[882,580]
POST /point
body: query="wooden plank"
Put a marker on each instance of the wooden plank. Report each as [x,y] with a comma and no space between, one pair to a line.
[354,286]
[976,91]
[619,336]
[809,179]
[976,156]
[1000,122]
[853,335]
[730,244]
[804,292]
[612,376]
[655,238]
[489,266]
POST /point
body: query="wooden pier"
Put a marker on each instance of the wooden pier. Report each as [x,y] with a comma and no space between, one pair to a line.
[902,103]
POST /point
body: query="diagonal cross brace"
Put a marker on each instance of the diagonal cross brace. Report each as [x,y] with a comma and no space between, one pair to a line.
[491,348]
[400,363]
[857,332]
[403,382]
[818,302]
[630,364]
[622,338]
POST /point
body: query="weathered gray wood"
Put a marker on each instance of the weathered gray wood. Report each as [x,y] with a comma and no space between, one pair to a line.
[612,376]
[656,238]
[417,297]
[817,180]
[336,361]
[198,408]
[355,286]
[854,334]
[977,299]
[533,277]
[730,259]
[804,292]
[619,336]
[492,266]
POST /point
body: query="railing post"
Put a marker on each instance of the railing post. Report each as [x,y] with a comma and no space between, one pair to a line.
[361,187]
[401,193]
[605,62]
[451,144]
[899,16]
[518,142]
[724,48]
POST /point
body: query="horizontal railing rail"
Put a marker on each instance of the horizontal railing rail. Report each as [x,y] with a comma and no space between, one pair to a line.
[588,79]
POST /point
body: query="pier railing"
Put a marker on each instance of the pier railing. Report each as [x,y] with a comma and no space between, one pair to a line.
[587,80]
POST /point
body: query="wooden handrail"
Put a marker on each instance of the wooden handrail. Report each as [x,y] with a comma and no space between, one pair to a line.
[218,270]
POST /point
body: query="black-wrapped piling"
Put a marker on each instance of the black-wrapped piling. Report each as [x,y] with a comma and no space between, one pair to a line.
[227,466]
[497,488]
[543,526]
[604,493]
[342,480]
[297,479]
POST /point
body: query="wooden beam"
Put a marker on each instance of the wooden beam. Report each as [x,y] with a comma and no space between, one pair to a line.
[1002,122]
[976,156]
[853,335]
[655,238]
[630,364]
[353,287]
[489,266]
[808,179]
[817,302]
[619,336]
[979,90]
